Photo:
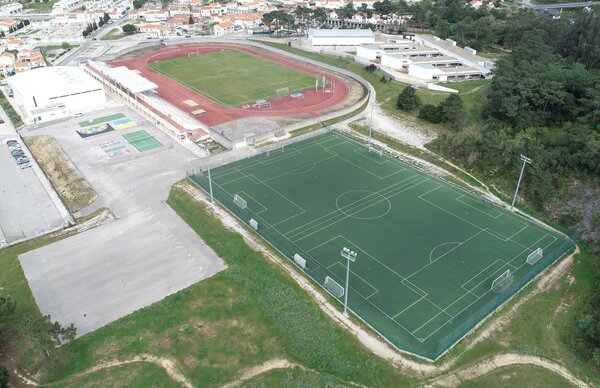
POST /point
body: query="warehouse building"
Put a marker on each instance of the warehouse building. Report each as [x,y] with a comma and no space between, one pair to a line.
[51,93]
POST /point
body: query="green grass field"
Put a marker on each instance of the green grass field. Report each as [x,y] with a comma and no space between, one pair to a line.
[428,251]
[233,77]
[142,140]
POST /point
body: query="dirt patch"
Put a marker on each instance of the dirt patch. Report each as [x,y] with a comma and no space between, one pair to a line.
[501,361]
[74,190]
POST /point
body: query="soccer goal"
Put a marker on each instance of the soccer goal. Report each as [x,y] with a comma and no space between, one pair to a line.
[535,256]
[241,202]
[282,91]
[300,261]
[333,287]
[502,282]
[193,54]
[253,223]
[262,104]
[375,151]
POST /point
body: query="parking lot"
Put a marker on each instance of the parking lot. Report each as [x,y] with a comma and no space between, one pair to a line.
[26,207]
[108,272]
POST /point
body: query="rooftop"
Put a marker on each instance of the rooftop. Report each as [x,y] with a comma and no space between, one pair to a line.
[319,33]
[128,78]
[63,79]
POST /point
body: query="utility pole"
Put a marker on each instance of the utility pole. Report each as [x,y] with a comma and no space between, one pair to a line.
[525,161]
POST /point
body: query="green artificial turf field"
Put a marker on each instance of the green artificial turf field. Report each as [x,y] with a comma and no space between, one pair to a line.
[428,252]
[233,77]
[142,140]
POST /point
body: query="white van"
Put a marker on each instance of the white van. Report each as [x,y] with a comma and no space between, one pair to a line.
[78,114]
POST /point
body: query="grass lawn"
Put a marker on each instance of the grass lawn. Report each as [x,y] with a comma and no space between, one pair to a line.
[428,252]
[518,376]
[10,111]
[39,5]
[233,77]
[114,34]
[135,375]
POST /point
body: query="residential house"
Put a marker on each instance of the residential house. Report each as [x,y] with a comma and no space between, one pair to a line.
[224,28]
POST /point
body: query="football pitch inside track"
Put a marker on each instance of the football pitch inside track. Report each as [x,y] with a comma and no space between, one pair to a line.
[427,251]
[234,77]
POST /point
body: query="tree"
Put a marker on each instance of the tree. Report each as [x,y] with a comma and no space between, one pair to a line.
[137,4]
[430,113]
[347,11]
[370,68]
[191,19]
[408,99]
[129,29]
[106,17]
[7,309]
[453,111]
[49,334]
[3,377]
[65,46]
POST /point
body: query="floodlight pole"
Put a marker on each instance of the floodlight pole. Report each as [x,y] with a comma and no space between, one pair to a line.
[371,123]
[525,161]
[210,179]
[350,256]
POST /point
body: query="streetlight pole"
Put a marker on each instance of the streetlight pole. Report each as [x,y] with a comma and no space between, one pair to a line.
[525,161]
[350,256]
[209,179]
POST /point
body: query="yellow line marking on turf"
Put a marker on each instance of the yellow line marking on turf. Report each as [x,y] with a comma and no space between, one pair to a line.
[355,274]
[360,210]
[409,306]
[500,214]
[255,200]
[461,297]
[375,193]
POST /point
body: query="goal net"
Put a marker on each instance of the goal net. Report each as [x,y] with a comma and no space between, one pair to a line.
[375,151]
[282,91]
[193,54]
[300,261]
[333,287]
[253,223]
[535,256]
[502,282]
[241,202]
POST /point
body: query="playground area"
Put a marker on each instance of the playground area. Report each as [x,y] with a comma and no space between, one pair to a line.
[429,260]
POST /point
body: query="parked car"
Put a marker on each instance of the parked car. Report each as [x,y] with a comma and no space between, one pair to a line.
[1,121]
[22,160]
[17,152]
[11,142]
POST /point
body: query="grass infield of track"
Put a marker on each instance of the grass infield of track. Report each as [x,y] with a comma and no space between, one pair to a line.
[233,77]
[142,140]
[428,251]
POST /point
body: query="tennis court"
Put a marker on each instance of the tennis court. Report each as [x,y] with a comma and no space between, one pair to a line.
[142,140]
[428,252]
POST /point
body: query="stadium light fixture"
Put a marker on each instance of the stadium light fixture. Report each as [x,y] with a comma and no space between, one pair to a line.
[525,161]
[350,256]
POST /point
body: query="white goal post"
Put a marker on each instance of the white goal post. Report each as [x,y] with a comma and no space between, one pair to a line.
[282,91]
[535,256]
[193,54]
[333,287]
[502,282]
[300,261]
[376,151]
[253,223]
[240,201]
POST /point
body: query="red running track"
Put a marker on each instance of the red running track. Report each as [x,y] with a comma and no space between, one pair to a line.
[176,93]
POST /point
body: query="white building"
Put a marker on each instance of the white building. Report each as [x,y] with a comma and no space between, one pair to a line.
[342,39]
[11,9]
[50,93]
[224,28]
[65,6]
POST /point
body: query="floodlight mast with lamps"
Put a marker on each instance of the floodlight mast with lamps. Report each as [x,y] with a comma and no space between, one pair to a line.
[350,256]
[525,161]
